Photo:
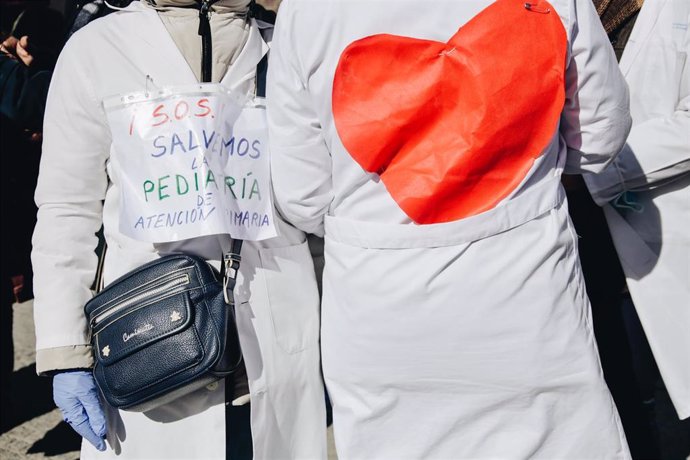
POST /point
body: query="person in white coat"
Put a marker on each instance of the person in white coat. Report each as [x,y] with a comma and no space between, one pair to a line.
[426,141]
[645,191]
[79,189]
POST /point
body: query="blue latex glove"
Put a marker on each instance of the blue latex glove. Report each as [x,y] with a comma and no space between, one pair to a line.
[76,395]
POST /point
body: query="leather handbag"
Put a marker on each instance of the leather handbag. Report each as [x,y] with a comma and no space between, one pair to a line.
[164,330]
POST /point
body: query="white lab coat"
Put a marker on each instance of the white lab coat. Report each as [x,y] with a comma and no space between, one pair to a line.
[466,339]
[276,294]
[654,245]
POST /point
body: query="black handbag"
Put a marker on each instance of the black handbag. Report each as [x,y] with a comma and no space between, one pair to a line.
[164,330]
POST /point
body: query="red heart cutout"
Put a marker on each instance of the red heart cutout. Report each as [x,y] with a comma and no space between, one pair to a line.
[453,128]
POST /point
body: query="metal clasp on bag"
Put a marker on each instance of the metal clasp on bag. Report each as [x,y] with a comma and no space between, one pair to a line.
[231,264]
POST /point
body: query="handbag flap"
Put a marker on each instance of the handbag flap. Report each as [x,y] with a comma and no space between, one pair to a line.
[142,327]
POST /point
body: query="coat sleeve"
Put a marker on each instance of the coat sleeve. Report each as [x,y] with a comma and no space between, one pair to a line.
[300,160]
[657,151]
[71,186]
[596,117]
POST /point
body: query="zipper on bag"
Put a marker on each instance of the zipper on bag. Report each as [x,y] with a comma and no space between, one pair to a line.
[180,280]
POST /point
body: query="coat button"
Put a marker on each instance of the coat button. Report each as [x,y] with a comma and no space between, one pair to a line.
[213,386]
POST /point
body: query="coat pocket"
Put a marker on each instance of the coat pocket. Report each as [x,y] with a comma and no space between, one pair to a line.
[292,296]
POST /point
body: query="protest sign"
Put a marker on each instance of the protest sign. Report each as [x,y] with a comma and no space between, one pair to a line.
[191,161]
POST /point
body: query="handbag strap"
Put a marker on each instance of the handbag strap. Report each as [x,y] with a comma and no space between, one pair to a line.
[231,260]
[229,270]
[100,251]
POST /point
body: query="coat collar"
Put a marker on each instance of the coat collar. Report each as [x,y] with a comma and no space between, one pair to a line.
[244,68]
[157,37]
[643,27]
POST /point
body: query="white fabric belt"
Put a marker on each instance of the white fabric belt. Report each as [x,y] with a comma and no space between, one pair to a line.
[512,213]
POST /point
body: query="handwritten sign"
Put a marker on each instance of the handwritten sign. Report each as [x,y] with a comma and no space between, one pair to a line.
[191,161]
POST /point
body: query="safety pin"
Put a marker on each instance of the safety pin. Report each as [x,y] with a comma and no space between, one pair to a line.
[447,52]
[536,9]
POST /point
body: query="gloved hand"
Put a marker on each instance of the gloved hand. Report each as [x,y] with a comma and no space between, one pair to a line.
[76,395]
